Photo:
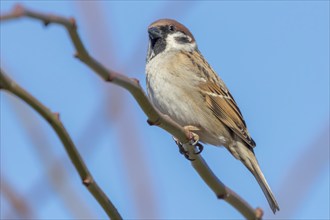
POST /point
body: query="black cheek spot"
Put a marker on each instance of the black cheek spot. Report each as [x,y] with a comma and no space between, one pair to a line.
[182,40]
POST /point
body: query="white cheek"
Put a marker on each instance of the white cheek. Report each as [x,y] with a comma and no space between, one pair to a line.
[172,44]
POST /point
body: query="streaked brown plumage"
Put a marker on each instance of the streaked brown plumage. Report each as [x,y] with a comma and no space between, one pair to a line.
[182,85]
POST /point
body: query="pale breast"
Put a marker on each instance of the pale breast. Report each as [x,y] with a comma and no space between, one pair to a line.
[172,87]
[169,89]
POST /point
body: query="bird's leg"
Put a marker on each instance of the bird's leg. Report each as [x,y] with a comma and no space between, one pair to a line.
[182,150]
[194,138]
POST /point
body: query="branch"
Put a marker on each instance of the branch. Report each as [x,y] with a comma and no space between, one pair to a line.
[154,116]
[53,119]
[56,171]
[20,206]
[111,106]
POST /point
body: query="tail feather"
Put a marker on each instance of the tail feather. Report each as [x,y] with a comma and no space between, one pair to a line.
[250,161]
[265,187]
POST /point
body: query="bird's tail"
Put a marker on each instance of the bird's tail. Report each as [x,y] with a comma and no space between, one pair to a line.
[250,161]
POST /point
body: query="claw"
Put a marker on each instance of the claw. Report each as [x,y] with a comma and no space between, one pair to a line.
[182,150]
[188,158]
[200,148]
[194,138]
[176,140]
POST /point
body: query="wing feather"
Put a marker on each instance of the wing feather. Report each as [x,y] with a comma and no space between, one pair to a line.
[217,96]
[224,107]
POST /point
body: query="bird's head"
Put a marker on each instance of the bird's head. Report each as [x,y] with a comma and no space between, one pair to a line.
[169,35]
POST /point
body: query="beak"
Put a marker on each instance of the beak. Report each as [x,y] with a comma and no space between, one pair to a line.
[154,33]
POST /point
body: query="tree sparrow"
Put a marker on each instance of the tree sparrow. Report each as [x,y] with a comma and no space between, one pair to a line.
[182,85]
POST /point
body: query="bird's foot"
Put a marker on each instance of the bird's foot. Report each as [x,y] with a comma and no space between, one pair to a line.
[194,138]
[200,148]
[184,152]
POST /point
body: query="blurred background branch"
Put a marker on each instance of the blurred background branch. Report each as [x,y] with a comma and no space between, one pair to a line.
[245,42]
[19,204]
[113,113]
[316,156]
[53,119]
[55,169]
[155,118]
[144,194]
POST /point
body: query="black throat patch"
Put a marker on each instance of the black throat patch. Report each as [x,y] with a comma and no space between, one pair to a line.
[158,45]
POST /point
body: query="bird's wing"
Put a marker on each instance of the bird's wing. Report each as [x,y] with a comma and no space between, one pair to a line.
[217,96]
[224,107]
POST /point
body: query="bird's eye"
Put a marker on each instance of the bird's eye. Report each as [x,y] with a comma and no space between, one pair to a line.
[171,28]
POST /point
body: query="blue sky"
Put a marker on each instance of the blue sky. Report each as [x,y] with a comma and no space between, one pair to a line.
[273,56]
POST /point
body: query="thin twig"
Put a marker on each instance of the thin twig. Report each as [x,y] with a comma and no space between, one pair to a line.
[54,120]
[219,188]
[154,116]
[56,172]
[139,180]
[132,85]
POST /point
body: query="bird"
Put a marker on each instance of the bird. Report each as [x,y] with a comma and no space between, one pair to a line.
[182,85]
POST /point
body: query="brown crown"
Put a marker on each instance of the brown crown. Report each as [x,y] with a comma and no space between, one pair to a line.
[177,25]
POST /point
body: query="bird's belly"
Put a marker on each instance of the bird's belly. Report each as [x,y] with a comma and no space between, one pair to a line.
[172,95]
[172,101]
